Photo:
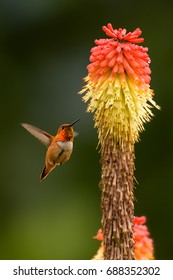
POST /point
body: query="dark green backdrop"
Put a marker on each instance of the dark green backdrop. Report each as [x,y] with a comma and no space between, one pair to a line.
[44,51]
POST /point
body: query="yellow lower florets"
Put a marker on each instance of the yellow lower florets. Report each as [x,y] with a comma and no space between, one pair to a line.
[120,108]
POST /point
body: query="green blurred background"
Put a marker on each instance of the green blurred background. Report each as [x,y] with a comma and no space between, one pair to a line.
[44,51]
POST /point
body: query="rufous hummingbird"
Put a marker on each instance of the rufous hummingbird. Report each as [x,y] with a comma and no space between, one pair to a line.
[60,146]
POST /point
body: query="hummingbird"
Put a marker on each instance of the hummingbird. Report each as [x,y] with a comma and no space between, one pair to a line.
[59,147]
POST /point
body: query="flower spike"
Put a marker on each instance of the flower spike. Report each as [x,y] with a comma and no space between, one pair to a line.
[118,91]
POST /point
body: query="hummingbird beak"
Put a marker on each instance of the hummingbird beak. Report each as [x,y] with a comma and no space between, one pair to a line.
[74,122]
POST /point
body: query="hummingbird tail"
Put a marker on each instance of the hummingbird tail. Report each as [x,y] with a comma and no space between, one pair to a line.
[44,173]
[46,170]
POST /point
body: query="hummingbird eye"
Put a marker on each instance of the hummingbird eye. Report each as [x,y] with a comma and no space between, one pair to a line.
[62,127]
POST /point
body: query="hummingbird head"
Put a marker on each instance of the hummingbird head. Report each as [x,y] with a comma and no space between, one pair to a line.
[66,132]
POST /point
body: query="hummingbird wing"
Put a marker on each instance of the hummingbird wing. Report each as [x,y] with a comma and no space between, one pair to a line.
[41,135]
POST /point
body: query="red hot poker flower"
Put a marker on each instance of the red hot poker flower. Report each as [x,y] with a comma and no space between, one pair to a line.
[143,243]
[118,90]
[118,85]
